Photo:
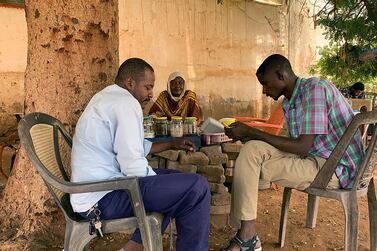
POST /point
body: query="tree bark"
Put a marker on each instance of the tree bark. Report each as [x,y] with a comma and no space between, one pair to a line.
[72,54]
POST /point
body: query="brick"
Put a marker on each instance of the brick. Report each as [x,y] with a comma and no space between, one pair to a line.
[219,220]
[169,154]
[151,157]
[209,150]
[228,179]
[229,172]
[221,199]
[213,173]
[153,163]
[185,168]
[196,158]
[230,163]
[218,188]
[232,156]
[220,179]
[220,209]
[232,147]
[162,162]
[218,159]
[214,154]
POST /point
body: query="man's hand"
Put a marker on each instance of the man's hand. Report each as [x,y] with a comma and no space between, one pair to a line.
[183,144]
[240,131]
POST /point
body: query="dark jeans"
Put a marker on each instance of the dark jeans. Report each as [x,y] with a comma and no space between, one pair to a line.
[183,196]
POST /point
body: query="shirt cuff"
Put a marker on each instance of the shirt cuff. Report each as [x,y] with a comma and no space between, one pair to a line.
[147,147]
[150,171]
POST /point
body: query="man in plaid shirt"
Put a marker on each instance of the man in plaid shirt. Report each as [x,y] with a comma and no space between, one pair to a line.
[317,115]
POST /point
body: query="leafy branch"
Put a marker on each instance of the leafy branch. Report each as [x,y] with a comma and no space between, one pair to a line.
[351,27]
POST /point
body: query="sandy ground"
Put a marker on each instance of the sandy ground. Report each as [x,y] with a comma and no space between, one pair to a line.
[328,234]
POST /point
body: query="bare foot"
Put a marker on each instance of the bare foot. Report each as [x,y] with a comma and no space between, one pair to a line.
[274,186]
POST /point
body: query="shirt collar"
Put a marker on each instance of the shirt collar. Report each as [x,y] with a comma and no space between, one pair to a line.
[295,92]
[121,89]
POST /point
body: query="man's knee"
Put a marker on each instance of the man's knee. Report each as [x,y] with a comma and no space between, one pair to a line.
[256,148]
[198,184]
[254,145]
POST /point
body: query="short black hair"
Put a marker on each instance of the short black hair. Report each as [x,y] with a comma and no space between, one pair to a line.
[273,61]
[358,86]
[134,68]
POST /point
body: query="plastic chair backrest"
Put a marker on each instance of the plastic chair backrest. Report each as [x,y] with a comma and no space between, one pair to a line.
[40,134]
[276,118]
[368,164]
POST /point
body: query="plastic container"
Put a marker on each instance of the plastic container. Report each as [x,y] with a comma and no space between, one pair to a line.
[211,125]
[148,127]
[227,121]
[176,127]
[189,126]
[161,127]
[214,138]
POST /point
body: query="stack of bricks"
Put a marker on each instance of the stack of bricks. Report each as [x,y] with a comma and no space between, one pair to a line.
[208,163]
[232,150]
[214,172]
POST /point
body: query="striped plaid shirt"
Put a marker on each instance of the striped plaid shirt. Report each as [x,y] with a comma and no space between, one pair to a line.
[317,107]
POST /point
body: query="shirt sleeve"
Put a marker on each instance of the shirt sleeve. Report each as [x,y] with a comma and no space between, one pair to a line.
[147,147]
[315,118]
[129,139]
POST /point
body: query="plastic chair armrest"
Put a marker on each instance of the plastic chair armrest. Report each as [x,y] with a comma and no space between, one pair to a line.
[264,125]
[249,119]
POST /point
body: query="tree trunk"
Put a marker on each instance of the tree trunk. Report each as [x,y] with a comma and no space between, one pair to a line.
[72,54]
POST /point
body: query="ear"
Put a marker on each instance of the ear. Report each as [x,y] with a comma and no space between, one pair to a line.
[280,75]
[129,83]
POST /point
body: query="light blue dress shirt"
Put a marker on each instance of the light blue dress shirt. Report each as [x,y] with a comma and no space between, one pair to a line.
[108,143]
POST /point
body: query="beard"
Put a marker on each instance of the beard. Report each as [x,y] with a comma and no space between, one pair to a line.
[144,102]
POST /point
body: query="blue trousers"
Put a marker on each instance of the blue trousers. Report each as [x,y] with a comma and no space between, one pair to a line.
[182,196]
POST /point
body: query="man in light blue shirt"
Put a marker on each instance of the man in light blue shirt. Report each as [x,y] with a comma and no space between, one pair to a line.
[109,143]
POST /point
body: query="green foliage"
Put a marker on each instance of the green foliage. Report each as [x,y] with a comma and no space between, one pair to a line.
[351,21]
[351,27]
[344,70]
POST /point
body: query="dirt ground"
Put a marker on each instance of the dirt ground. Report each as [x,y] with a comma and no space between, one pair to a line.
[328,234]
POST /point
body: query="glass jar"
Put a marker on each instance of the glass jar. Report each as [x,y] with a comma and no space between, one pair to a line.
[189,126]
[162,127]
[176,126]
[148,127]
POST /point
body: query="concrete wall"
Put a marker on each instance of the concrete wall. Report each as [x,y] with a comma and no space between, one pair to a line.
[218,47]
[13,51]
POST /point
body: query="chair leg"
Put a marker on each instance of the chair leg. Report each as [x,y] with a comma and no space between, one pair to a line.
[284,215]
[155,229]
[372,206]
[312,211]
[171,235]
[351,213]
[76,236]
